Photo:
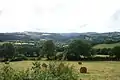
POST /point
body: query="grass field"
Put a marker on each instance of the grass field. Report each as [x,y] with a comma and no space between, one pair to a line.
[100,46]
[98,70]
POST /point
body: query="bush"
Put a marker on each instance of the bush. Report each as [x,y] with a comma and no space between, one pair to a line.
[59,55]
[61,65]
[7,62]
[116,51]
[62,71]
[44,65]
[5,73]
[31,58]
[20,57]
[53,72]
[39,58]
[36,73]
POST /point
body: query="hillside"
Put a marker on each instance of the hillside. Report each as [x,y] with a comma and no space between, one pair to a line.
[100,46]
[90,36]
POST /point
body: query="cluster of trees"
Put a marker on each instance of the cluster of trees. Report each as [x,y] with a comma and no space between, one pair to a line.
[10,51]
[75,50]
[103,51]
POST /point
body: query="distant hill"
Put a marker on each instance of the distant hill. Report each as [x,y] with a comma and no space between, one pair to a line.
[90,36]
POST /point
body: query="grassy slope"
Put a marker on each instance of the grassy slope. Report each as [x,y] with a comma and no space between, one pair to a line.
[100,46]
[96,70]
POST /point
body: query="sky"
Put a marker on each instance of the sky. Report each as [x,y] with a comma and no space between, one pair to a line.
[59,15]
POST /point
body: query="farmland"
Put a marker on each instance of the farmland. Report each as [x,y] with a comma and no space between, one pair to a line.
[101,46]
[101,63]
[97,70]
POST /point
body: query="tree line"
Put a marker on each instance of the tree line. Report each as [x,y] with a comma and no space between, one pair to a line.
[74,50]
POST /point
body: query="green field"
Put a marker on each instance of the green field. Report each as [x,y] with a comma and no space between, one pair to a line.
[100,46]
[97,70]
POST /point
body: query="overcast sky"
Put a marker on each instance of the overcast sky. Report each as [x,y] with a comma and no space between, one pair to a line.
[59,15]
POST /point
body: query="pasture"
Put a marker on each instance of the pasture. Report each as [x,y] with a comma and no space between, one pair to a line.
[97,70]
[101,46]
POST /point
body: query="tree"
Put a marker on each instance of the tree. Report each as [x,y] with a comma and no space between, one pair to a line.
[104,51]
[78,48]
[1,50]
[48,49]
[8,51]
[59,48]
[93,51]
[28,51]
[116,51]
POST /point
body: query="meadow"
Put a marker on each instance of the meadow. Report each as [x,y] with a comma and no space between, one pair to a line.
[101,46]
[97,70]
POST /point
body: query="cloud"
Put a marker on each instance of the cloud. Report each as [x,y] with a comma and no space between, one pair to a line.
[114,21]
[57,15]
[0,12]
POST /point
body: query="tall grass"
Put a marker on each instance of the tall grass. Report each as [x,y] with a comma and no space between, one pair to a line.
[53,71]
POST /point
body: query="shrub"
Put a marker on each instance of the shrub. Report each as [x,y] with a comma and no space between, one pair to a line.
[83,70]
[39,58]
[21,57]
[59,55]
[36,65]
[61,65]
[6,72]
[116,51]
[36,73]
[32,58]
[44,65]
[7,62]
[62,71]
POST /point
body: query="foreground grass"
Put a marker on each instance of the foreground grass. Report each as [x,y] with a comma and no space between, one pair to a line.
[98,70]
[39,71]
[101,46]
